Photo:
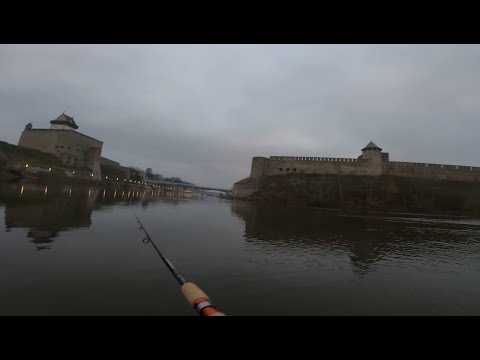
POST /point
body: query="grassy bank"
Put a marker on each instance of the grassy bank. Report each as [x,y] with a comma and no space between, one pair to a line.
[16,154]
[13,154]
[112,172]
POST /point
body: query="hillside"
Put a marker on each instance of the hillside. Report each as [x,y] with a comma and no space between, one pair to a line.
[15,154]
[372,192]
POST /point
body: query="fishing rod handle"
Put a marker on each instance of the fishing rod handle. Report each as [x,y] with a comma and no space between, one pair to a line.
[199,300]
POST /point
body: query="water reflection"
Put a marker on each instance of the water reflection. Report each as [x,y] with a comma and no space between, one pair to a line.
[48,215]
[46,211]
[253,259]
[369,240]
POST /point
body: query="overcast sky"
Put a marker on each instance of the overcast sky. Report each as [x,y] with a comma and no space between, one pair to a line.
[201,112]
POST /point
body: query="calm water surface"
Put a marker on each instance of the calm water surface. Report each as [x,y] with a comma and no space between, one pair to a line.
[78,251]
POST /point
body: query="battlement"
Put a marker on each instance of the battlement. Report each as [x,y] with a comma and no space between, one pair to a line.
[303,158]
[438,166]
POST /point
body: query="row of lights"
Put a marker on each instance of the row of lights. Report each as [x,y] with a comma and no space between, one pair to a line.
[142,194]
[135,182]
[144,183]
[50,169]
[106,178]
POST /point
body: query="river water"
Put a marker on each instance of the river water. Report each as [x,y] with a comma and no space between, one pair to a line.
[78,251]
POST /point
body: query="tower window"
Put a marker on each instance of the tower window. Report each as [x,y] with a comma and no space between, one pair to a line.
[280,169]
[287,169]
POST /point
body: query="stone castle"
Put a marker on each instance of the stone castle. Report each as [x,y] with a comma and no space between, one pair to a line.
[64,141]
[372,162]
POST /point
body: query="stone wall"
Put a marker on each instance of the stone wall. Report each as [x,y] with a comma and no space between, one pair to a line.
[246,187]
[278,165]
[432,171]
[105,161]
[369,164]
[337,166]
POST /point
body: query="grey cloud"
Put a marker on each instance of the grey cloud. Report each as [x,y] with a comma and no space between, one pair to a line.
[202,111]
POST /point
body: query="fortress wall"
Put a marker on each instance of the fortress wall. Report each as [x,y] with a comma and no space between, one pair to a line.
[39,140]
[349,166]
[432,171]
[438,166]
[245,187]
[323,166]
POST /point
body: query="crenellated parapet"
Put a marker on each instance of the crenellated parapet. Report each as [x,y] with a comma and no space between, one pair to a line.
[372,162]
[435,166]
[303,158]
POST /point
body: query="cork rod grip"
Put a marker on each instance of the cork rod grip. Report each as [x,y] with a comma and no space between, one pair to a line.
[193,294]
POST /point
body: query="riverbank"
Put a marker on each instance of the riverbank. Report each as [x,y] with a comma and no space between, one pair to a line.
[384,193]
[17,163]
[56,181]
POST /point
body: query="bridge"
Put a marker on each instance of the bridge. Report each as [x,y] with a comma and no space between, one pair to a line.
[184,185]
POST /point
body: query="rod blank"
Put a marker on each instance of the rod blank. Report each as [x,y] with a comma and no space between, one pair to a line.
[194,295]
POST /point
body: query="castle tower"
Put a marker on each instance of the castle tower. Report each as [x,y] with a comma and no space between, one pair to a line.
[372,152]
[70,146]
[63,122]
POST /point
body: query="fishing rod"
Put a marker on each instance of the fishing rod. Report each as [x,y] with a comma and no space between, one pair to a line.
[194,295]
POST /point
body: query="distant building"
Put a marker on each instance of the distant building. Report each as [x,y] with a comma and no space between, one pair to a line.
[64,141]
[372,162]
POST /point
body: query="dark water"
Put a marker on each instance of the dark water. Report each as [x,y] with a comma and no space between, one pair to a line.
[80,253]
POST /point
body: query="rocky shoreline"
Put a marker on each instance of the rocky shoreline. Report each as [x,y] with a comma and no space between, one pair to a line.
[384,193]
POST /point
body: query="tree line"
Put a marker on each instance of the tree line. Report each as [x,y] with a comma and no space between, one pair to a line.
[136,175]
